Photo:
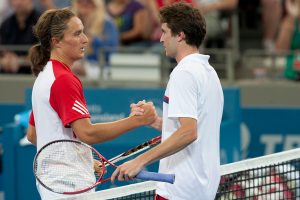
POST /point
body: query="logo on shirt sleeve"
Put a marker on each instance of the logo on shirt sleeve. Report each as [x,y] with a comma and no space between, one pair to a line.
[77,106]
[166,99]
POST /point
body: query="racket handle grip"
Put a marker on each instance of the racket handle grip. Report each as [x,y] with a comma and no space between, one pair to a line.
[153,176]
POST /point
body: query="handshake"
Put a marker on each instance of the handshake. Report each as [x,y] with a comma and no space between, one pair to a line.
[145,113]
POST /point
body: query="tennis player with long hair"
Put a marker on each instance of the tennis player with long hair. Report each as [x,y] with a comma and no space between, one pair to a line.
[192,112]
[58,103]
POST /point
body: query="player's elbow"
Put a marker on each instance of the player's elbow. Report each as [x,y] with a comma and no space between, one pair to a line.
[31,135]
[193,135]
[86,135]
[84,131]
[190,135]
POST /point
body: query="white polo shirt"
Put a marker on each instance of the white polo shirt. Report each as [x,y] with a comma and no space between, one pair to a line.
[193,91]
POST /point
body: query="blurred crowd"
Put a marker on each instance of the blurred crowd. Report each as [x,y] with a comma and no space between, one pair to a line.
[134,24]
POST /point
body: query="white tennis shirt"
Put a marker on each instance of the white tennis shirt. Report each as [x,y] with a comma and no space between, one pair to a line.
[57,100]
[193,91]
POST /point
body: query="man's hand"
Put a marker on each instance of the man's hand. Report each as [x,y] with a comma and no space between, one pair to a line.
[144,111]
[138,110]
[127,171]
[98,167]
[149,115]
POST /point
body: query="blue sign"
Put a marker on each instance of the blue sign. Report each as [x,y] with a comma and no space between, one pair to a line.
[107,105]
[269,130]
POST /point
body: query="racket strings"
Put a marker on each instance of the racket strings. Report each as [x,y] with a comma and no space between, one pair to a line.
[65,167]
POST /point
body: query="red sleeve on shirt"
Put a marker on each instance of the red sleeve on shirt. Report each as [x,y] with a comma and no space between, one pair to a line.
[31,119]
[67,99]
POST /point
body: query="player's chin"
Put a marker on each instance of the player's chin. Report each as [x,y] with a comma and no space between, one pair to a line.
[80,56]
[168,54]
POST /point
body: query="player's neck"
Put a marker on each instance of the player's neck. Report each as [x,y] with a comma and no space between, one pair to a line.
[187,50]
[61,59]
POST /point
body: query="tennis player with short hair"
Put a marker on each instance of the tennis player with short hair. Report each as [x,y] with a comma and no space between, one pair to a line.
[58,103]
[192,112]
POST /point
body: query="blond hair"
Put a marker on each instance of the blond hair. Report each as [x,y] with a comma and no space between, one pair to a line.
[96,18]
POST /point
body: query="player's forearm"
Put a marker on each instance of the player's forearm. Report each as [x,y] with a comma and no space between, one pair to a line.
[101,132]
[117,128]
[178,141]
[157,124]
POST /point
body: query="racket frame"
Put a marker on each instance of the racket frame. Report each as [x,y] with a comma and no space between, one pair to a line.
[101,159]
[104,162]
[135,150]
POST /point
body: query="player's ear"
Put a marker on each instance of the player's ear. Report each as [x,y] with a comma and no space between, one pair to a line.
[55,42]
[180,36]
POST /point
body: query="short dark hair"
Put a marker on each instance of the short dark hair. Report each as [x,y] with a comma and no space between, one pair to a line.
[182,17]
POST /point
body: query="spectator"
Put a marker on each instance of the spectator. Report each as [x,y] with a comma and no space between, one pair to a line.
[271,16]
[153,7]
[50,4]
[211,9]
[130,17]
[17,30]
[289,39]
[102,34]
[162,3]
[154,29]
[5,9]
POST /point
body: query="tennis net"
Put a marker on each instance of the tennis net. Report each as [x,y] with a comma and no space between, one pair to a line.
[271,177]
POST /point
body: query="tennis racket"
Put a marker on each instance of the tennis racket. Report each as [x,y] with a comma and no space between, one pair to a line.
[72,167]
[140,148]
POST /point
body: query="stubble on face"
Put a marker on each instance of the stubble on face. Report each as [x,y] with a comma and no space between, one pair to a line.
[74,39]
[168,41]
